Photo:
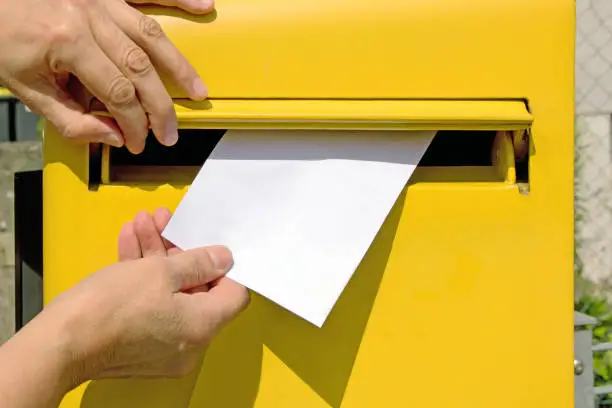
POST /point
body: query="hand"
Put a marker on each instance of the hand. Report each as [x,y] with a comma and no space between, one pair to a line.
[56,54]
[142,238]
[151,316]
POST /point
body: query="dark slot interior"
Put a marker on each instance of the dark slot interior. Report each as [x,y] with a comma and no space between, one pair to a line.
[192,149]
[522,171]
[95,166]
[522,163]
[451,148]
[447,149]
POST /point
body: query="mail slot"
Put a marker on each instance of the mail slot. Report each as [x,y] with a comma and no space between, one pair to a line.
[464,298]
[484,155]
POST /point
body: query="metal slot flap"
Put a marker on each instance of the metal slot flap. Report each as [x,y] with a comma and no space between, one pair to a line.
[353,114]
[470,133]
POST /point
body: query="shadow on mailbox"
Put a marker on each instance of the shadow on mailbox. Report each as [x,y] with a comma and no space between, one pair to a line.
[230,374]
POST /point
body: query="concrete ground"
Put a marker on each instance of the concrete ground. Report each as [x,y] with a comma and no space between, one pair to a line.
[14,157]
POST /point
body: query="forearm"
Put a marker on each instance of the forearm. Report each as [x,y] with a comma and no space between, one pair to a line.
[35,367]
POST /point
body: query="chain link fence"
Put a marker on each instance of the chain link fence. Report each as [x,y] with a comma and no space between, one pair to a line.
[593,140]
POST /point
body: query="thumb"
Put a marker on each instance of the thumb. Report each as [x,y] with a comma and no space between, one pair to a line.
[191,6]
[199,266]
[67,115]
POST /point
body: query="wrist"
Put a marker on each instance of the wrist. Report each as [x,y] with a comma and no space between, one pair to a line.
[76,345]
[70,358]
[40,353]
[57,346]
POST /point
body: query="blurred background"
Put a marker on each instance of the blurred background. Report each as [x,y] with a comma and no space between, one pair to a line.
[20,150]
[593,176]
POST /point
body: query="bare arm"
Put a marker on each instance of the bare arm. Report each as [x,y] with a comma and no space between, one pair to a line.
[141,317]
[35,365]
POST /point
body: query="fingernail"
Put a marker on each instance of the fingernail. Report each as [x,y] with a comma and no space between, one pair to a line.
[199,89]
[207,4]
[171,136]
[221,257]
[114,139]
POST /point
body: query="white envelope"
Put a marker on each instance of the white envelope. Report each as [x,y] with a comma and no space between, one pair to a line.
[298,209]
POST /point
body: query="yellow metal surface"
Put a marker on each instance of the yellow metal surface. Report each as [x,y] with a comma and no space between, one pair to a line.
[373,49]
[5,93]
[465,297]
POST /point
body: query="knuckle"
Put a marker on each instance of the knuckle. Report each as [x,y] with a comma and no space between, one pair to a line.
[167,108]
[121,91]
[199,330]
[182,367]
[162,108]
[203,260]
[198,265]
[150,28]
[137,61]
[72,131]
[61,34]
[188,266]
[157,271]
[199,334]
[238,307]
[163,266]
[185,73]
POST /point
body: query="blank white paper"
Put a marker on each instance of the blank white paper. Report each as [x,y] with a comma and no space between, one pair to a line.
[298,209]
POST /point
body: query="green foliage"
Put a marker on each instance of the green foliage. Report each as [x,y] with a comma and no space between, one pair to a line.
[39,127]
[599,308]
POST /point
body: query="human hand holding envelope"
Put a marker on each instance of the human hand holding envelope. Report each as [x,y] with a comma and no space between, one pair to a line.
[299,209]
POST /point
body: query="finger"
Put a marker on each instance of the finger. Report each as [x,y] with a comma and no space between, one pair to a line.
[148,34]
[134,63]
[104,80]
[129,248]
[85,98]
[79,92]
[215,282]
[90,103]
[221,303]
[191,6]
[198,289]
[200,266]
[230,296]
[161,218]
[68,116]
[174,250]
[148,237]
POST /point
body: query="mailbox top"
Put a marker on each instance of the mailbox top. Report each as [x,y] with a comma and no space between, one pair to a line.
[386,49]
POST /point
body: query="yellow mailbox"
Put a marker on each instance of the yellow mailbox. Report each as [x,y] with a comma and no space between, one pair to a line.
[464,298]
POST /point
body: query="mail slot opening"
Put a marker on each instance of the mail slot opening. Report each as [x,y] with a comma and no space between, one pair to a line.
[450,149]
[159,163]
[192,149]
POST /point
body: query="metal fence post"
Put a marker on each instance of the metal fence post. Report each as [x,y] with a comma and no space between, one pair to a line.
[584,377]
